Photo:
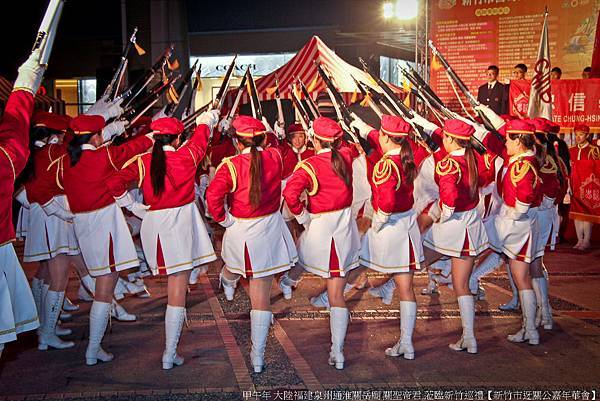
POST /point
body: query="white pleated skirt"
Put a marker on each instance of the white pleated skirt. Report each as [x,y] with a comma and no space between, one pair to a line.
[330,246]
[425,189]
[105,241]
[258,247]
[462,235]
[548,226]
[22,223]
[17,307]
[49,236]
[517,239]
[396,248]
[175,240]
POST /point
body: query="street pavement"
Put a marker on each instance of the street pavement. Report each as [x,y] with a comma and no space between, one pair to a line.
[216,344]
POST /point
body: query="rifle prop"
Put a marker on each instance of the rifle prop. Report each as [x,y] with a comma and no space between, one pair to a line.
[280,118]
[181,90]
[238,97]
[312,106]
[302,114]
[218,102]
[111,90]
[44,39]
[254,100]
[148,102]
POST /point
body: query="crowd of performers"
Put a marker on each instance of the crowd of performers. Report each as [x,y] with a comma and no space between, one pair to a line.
[289,201]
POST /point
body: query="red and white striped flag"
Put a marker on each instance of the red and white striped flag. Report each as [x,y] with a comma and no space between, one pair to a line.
[540,96]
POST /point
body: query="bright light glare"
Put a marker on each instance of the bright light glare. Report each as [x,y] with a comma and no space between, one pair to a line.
[388,10]
[406,9]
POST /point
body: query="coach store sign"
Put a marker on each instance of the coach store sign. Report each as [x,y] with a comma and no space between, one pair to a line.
[260,64]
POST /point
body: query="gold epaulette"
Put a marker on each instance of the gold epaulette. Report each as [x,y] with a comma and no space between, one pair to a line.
[227,162]
[488,159]
[133,159]
[520,169]
[305,165]
[383,170]
[448,166]
[594,153]
[549,166]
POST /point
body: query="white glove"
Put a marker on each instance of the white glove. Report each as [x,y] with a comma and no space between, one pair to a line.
[379,220]
[447,212]
[495,119]
[435,211]
[229,220]
[427,125]
[21,197]
[125,200]
[210,118]
[53,208]
[303,218]
[31,73]
[98,108]
[138,209]
[279,130]
[224,124]
[267,125]
[114,109]
[362,127]
[115,128]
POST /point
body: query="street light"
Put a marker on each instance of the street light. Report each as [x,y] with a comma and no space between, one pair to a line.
[401,9]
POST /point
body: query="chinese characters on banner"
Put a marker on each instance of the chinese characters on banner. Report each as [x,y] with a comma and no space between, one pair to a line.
[574,101]
[585,184]
[473,34]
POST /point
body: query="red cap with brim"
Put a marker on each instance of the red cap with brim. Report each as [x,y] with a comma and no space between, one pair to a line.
[248,127]
[458,129]
[84,124]
[327,130]
[53,121]
[295,128]
[541,124]
[394,126]
[582,128]
[519,127]
[167,126]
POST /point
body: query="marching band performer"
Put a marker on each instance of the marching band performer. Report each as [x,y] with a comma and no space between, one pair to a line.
[51,237]
[101,229]
[257,244]
[583,150]
[329,245]
[17,307]
[458,232]
[516,224]
[393,243]
[173,234]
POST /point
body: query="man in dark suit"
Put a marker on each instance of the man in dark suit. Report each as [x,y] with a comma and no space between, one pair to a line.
[493,94]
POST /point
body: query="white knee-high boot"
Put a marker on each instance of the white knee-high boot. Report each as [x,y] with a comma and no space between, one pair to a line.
[543,315]
[338,322]
[579,231]
[490,264]
[99,315]
[228,285]
[513,304]
[528,331]
[36,291]
[174,318]
[47,336]
[467,341]
[87,288]
[408,317]
[260,322]
[587,233]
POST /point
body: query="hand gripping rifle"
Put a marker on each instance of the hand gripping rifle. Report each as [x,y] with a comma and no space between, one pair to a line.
[181,90]
[217,103]
[399,105]
[44,39]
[425,92]
[111,90]
[465,90]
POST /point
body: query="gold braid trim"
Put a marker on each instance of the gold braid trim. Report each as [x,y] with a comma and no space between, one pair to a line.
[382,172]
[549,166]
[520,169]
[12,166]
[313,176]
[448,166]
[594,153]
[488,159]
[141,171]
[227,162]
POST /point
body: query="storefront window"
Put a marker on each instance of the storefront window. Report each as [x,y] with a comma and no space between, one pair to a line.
[260,64]
[388,69]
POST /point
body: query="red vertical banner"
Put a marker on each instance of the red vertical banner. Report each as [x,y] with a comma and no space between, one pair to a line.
[585,184]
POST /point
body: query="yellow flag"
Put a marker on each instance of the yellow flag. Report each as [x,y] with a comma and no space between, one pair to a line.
[174,65]
[271,90]
[354,97]
[435,63]
[313,84]
[406,86]
[366,100]
[172,95]
[139,49]
[407,100]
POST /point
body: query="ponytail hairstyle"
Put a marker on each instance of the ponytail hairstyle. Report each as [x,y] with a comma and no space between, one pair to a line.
[255,166]
[563,150]
[337,162]
[471,165]
[548,146]
[528,141]
[158,162]
[74,148]
[407,158]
